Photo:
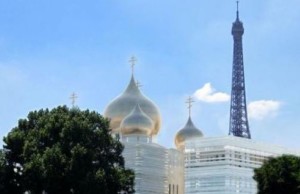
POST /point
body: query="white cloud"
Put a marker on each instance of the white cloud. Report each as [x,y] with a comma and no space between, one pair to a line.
[261,109]
[208,94]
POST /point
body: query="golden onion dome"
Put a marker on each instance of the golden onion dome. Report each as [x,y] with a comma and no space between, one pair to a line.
[187,133]
[137,122]
[122,105]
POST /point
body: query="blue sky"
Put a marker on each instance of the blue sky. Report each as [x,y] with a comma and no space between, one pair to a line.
[49,49]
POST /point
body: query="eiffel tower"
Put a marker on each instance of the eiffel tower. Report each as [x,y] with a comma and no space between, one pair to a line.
[238,124]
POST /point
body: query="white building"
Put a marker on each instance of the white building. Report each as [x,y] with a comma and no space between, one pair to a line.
[224,165]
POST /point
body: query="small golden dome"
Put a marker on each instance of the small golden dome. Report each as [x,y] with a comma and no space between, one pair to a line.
[137,122]
[187,133]
[121,106]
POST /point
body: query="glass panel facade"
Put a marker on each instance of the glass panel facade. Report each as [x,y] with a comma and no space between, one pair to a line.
[224,165]
[157,170]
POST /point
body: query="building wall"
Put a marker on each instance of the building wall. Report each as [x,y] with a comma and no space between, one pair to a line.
[149,162]
[175,172]
[224,165]
[157,170]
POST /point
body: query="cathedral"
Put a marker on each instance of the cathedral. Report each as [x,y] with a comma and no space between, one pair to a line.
[136,120]
[199,164]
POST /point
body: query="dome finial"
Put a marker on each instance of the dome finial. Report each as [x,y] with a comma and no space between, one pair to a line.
[189,131]
[237,10]
[190,104]
[73,98]
[132,61]
[138,84]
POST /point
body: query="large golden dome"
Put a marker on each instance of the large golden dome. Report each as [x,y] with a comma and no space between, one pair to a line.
[188,132]
[137,122]
[122,106]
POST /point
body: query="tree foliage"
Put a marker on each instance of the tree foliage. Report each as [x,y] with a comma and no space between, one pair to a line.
[64,151]
[279,175]
[2,173]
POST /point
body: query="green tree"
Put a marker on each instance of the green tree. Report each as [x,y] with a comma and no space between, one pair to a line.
[279,175]
[65,151]
[2,172]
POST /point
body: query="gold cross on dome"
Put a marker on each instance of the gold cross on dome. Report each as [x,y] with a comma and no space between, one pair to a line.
[190,104]
[73,98]
[138,84]
[132,61]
